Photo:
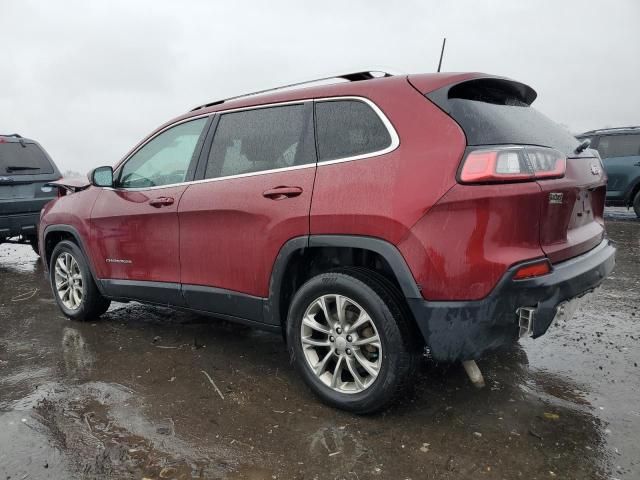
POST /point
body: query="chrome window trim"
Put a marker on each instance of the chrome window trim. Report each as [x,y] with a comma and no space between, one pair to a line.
[395,142]
[116,171]
[395,139]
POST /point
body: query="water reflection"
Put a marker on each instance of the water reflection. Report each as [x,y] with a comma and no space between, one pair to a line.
[342,448]
[78,358]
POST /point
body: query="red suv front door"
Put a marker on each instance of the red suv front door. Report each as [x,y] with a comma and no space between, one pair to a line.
[136,234]
[135,231]
[255,194]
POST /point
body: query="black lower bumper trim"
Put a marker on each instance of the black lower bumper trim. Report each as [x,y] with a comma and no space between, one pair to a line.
[464,330]
[14,225]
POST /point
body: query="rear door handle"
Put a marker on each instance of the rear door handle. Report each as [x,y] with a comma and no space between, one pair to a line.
[161,202]
[280,193]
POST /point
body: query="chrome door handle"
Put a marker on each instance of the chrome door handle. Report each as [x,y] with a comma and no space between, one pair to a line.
[161,202]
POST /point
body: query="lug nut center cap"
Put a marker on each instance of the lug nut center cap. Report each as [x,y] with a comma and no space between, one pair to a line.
[341,344]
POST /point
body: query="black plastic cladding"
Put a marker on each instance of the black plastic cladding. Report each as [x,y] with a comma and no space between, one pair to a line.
[464,330]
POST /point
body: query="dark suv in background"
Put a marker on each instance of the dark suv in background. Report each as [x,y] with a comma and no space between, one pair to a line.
[620,152]
[25,169]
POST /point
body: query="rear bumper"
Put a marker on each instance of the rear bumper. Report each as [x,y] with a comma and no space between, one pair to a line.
[14,225]
[464,330]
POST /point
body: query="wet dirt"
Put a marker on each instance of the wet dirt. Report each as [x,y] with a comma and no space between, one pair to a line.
[127,396]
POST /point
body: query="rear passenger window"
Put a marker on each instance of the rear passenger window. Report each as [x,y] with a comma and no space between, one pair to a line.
[619,146]
[347,128]
[261,139]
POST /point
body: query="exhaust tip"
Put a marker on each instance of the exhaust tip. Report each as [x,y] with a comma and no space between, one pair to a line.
[526,317]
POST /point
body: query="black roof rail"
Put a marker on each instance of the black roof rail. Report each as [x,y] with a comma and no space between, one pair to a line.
[11,135]
[351,77]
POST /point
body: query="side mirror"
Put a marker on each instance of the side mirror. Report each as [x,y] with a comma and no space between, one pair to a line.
[101,177]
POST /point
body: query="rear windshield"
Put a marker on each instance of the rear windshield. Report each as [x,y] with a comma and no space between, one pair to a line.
[496,113]
[23,159]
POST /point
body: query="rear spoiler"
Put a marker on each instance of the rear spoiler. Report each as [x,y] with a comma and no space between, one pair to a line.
[74,184]
[495,90]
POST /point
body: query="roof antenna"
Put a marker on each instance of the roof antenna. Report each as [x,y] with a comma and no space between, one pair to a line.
[444,41]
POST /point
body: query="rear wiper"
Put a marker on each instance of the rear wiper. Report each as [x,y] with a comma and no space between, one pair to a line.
[583,146]
[20,167]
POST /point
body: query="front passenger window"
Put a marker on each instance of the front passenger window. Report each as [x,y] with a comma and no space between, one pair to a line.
[164,160]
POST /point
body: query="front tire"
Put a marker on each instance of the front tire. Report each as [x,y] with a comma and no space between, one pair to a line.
[74,288]
[350,340]
[636,204]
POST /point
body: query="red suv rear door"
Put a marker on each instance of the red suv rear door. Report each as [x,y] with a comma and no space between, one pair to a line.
[257,175]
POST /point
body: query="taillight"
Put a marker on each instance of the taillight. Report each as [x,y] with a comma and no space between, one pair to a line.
[533,270]
[512,164]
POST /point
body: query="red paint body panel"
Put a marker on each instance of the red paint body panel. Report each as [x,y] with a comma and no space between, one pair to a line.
[73,210]
[231,234]
[125,227]
[577,224]
[385,196]
[463,246]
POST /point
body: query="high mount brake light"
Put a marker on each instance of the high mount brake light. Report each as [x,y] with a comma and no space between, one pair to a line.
[512,164]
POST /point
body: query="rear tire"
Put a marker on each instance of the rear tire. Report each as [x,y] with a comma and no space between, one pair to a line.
[359,368]
[636,204]
[74,288]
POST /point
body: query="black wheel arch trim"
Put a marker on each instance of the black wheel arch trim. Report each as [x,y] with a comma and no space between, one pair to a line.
[78,238]
[272,308]
[271,305]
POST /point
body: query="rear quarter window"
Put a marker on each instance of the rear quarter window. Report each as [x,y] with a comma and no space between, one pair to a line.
[23,158]
[348,128]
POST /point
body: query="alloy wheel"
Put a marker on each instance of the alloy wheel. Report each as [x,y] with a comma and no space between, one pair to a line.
[341,344]
[68,281]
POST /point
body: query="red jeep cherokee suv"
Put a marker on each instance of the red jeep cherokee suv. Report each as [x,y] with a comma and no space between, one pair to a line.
[367,218]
